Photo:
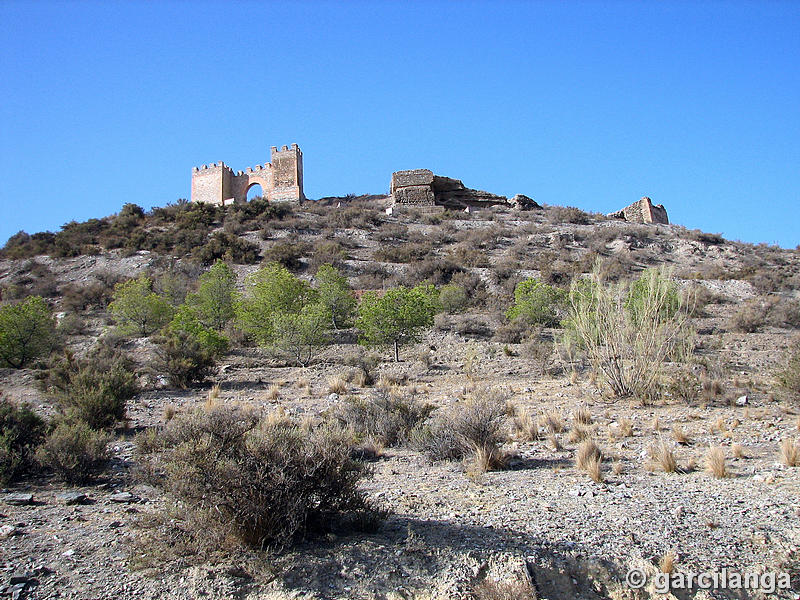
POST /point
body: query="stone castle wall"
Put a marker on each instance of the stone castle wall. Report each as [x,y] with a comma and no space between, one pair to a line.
[281,179]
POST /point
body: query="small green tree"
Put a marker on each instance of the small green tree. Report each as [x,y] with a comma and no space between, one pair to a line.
[215,298]
[654,290]
[537,303]
[138,309]
[453,298]
[302,333]
[335,293]
[271,290]
[27,332]
[186,321]
[21,431]
[397,317]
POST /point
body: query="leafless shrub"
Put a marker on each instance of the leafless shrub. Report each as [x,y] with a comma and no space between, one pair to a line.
[751,317]
[462,429]
[213,461]
[382,418]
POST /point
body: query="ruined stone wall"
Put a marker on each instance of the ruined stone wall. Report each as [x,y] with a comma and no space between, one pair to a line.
[643,211]
[280,181]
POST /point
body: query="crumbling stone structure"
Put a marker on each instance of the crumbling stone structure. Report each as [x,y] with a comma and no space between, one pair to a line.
[421,188]
[642,211]
[281,179]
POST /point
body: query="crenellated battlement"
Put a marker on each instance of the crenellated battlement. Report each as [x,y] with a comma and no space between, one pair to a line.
[281,180]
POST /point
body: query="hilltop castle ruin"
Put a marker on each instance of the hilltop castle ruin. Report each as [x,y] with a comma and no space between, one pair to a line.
[281,179]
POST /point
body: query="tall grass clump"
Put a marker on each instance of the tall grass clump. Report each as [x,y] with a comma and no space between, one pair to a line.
[629,331]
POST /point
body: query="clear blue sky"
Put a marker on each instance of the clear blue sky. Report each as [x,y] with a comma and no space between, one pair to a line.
[589,104]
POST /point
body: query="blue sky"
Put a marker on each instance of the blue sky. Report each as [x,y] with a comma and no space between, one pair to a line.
[588,104]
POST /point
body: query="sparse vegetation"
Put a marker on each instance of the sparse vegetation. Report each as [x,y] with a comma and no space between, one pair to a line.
[214,460]
[21,432]
[27,332]
[74,451]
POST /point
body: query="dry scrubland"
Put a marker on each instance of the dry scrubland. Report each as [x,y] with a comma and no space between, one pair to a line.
[493,461]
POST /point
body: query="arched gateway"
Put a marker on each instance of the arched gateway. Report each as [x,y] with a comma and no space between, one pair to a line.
[281,179]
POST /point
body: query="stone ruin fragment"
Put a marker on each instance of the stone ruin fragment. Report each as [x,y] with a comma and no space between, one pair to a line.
[421,188]
[642,211]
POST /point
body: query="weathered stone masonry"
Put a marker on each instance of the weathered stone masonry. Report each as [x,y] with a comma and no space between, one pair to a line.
[643,211]
[281,179]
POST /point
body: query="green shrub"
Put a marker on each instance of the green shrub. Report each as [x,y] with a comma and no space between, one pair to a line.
[538,303]
[335,294]
[186,322]
[185,358]
[789,373]
[453,298]
[272,289]
[397,317]
[138,309]
[650,292]
[288,254]
[27,332]
[216,296]
[228,247]
[268,481]
[21,431]
[93,390]
[302,333]
[382,418]
[74,451]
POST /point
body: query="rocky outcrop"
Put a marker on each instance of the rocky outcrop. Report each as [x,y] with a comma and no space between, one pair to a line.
[420,187]
[642,211]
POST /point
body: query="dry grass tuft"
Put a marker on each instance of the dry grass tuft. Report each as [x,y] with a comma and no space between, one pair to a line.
[662,456]
[553,422]
[617,468]
[680,436]
[714,462]
[797,424]
[526,428]
[169,412]
[625,427]
[790,453]
[582,415]
[737,450]
[337,384]
[655,424]
[593,468]
[580,433]
[587,454]
[303,382]
[667,563]
[555,443]
[274,392]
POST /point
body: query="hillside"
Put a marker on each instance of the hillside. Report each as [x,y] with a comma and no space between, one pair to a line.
[538,524]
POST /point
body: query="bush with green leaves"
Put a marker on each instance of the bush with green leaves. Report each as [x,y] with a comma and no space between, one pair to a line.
[335,294]
[27,332]
[94,390]
[382,418]
[789,372]
[138,309]
[268,481]
[185,358]
[21,432]
[396,317]
[74,451]
[628,337]
[537,303]
[216,296]
[284,312]
[186,321]
[453,298]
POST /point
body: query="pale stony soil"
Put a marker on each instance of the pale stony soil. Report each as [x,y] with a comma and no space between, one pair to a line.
[541,519]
